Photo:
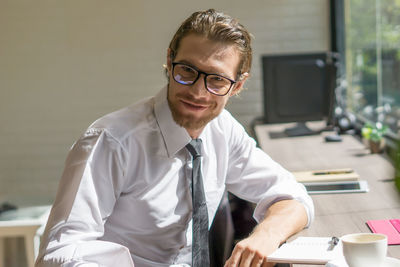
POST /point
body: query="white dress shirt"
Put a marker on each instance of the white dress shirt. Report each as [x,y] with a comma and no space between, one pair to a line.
[125,192]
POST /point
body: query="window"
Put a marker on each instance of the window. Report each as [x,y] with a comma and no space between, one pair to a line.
[372,49]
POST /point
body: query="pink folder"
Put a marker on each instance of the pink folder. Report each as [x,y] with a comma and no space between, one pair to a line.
[390,228]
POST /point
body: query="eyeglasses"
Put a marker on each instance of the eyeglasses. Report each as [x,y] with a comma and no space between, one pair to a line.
[215,84]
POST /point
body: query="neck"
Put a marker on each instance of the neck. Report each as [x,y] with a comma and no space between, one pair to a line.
[194,133]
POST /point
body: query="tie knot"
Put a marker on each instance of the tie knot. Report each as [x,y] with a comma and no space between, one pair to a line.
[194,147]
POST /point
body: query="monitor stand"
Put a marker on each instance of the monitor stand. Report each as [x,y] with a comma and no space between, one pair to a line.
[300,129]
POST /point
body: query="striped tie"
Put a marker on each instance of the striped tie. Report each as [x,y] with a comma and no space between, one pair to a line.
[200,253]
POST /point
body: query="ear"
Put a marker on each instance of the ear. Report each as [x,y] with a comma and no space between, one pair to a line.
[169,60]
[239,84]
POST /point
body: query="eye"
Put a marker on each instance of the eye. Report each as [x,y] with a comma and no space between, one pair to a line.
[187,69]
[217,79]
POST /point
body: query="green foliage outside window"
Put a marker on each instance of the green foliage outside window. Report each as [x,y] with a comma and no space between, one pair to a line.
[372,33]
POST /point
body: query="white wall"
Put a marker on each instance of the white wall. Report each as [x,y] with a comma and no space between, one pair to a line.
[65,63]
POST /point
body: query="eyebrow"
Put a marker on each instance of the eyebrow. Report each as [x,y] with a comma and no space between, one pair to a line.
[193,66]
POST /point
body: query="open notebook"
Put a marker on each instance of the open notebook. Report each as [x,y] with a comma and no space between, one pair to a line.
[307,250]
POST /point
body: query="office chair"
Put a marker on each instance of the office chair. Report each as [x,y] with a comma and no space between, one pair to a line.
[221,235]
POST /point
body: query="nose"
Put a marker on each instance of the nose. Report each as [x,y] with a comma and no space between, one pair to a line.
[199,87]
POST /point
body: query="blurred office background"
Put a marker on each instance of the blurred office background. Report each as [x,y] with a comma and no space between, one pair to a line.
[63,64]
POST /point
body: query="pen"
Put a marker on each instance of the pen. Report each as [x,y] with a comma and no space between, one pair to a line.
[334,241]
[332,172]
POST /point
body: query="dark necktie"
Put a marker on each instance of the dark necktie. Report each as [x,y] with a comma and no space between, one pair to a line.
[200,253]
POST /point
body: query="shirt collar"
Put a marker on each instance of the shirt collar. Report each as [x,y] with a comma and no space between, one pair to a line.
[175,137]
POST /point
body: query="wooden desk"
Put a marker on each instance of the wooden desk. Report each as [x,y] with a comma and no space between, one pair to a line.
[337,214]
[23,222]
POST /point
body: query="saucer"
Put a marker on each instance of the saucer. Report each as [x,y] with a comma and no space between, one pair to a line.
[391,262]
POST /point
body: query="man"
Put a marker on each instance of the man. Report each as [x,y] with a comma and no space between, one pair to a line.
[127,188]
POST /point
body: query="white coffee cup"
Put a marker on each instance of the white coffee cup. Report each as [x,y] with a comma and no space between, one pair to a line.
[364,249]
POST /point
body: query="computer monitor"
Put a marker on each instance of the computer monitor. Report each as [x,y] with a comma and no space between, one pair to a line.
[298,88]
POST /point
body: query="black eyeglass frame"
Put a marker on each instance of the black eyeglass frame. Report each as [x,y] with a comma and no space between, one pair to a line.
[199,72]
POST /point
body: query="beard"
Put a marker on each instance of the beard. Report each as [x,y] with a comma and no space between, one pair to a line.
[189,121]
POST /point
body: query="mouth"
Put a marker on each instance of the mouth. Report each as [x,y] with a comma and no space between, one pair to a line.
[193,106]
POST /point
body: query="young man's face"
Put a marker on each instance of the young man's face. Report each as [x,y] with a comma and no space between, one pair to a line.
[193,106]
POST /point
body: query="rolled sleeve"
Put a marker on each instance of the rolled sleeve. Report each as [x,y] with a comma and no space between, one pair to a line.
[93,253]
[275,194]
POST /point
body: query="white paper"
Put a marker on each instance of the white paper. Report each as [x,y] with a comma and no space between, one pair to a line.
[307,250]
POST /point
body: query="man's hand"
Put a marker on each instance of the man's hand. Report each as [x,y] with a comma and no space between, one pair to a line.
[252,251]
[282,219]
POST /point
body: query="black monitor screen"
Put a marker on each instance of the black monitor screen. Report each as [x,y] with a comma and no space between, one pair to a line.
[297,88]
